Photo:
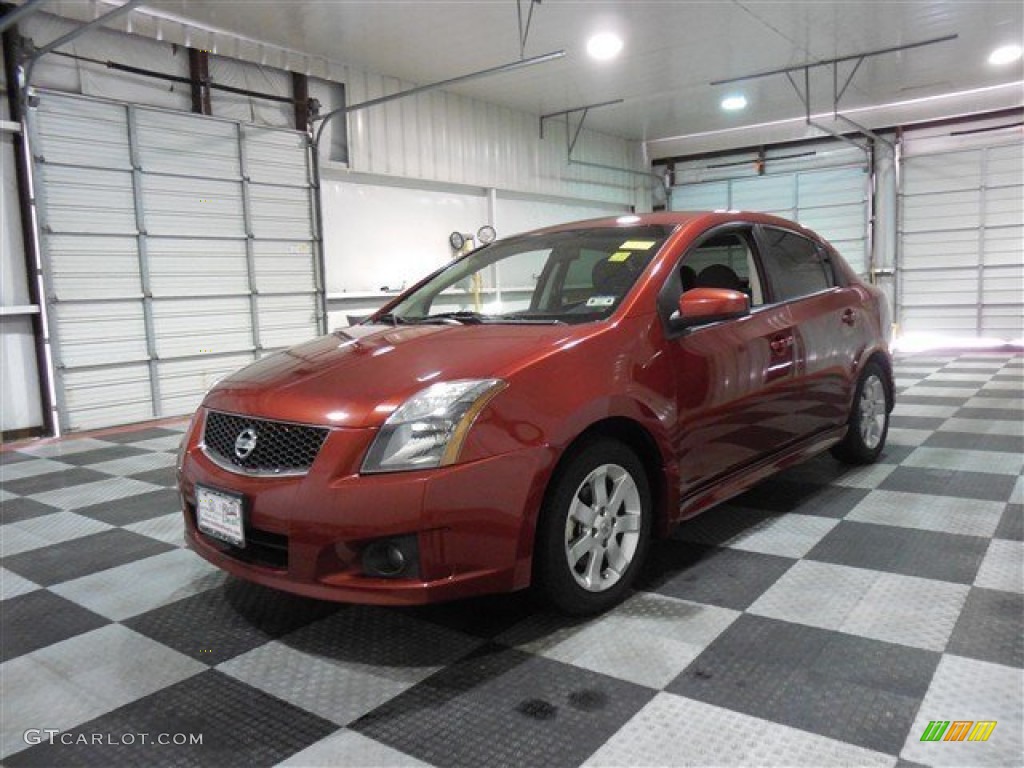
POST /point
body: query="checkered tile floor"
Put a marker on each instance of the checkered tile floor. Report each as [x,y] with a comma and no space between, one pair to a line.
[824,618]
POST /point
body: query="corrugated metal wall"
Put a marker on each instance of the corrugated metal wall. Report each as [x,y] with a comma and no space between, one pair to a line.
[176,249]
[824,188]
[961,270]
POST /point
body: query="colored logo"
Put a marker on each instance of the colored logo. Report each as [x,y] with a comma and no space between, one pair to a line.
[245,444]
[958,730]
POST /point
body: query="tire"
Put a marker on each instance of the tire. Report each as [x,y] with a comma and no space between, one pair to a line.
[869,419]
[588,554]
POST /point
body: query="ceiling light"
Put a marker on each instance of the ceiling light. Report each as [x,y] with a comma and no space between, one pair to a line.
[1006,54]
[604,46]
[733,103]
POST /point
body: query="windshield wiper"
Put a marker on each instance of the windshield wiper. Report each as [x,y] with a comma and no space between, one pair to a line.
[462,316]
[387,318]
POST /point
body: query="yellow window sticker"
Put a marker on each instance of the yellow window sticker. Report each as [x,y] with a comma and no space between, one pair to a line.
[619,256]
[638,245]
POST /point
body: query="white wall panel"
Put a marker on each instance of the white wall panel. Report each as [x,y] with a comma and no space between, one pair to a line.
[284,266]
[285,320]
[276,157]
[85,133]
[19,377]
[165,137]
[93,202]
[184,382]
[202,326]
[179,205]
[281,212]
[515,215]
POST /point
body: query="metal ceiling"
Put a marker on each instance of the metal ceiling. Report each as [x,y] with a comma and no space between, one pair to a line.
[673,51]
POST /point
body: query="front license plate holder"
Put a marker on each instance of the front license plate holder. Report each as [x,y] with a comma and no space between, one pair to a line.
[220,514]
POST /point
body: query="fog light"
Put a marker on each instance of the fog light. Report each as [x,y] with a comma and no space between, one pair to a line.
[391,558]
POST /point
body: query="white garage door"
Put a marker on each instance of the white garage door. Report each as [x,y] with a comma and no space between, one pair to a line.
[176,248]
[824,188]
[961,269]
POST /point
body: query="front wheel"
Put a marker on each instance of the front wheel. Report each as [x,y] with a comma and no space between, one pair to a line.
[869,419]
[594,529]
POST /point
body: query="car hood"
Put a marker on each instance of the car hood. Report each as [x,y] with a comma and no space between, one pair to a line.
[356,377]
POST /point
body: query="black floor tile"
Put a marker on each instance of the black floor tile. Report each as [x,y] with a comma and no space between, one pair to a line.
[134,509]
[239,726]
[915,422]
[1011,525]
[970,441]
[219,624]
[948,482]
[990,628]
[907,398]
[165,476]
[861,691]
[138,435]
[485,617]
[463,715]
[85,458]
[13,510]
[779,495]
[39,619]
[13,457]
[729,578]
[82,556]
[926,554]
[52,481]
[992,414]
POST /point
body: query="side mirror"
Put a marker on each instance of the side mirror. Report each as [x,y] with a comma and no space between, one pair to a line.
[709,305]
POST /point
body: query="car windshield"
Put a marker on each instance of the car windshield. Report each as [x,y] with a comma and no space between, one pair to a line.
[565,277]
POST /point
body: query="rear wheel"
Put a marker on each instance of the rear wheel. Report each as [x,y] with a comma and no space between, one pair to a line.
[869,419]
[594,529]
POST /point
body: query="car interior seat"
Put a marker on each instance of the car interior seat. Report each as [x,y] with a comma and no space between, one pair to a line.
[720,276]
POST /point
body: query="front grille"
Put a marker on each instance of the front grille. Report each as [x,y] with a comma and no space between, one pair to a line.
[276,447]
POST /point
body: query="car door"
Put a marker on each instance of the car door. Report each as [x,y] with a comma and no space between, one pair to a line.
[733,379]
[825,319]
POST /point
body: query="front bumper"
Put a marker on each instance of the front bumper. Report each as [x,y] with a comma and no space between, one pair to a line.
[472,524]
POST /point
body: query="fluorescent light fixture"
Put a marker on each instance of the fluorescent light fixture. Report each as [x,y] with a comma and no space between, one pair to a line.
[1006,54]
[734,103]
[604,46]
[910,343]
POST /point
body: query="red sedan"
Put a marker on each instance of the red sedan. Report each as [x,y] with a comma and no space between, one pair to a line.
[536,411]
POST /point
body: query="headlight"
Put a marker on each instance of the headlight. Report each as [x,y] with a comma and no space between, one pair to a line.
[428,429]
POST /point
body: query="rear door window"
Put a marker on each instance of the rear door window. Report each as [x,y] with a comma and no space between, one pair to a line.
[795,265]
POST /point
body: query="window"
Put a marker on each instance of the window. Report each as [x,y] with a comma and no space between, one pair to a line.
[795,265]
[723,261]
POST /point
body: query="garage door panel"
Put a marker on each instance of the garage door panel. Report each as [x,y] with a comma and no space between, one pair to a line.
[184,382]
[183,268]
[284,266]
[189,206]
[1002,322]
[1003,166]
[930,175]
[94,267]
[942,210]
[708,196]
[81,132]
[956,321]
[285,320]
[281,212]
[276,157]
[109,396]
[101,333]
[1003,285]
[934,249]
[178,143]
[846,186]
[954,287]
[1003,205]
[87,201]
[188,327]
[1004,245]
[762,193]
[841,222]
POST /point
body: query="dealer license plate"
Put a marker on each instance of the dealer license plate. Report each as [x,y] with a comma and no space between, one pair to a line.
[219,514]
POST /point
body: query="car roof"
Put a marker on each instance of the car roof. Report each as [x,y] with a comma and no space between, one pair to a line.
[698,219]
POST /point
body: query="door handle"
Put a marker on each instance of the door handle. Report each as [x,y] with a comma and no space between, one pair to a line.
[780,344]
[849,316]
